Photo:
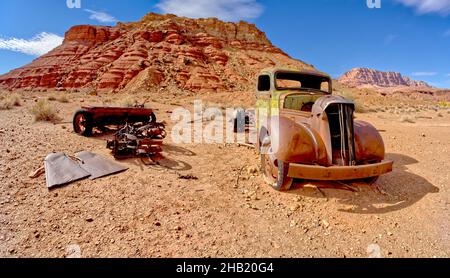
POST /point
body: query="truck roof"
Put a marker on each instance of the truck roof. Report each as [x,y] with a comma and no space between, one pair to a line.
[273,71]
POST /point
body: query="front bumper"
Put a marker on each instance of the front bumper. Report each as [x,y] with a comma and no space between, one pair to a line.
[335,173]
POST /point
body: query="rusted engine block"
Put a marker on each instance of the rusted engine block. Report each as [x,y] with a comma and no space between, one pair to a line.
[138,140]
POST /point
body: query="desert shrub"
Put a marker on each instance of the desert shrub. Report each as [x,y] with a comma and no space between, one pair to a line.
[347,94]
[45,112]
[10,101]
[63,99]
[128,102]
[360,107]
[408,119]
[444,104]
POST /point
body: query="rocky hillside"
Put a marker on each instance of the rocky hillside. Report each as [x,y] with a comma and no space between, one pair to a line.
[362,76]
[159,51]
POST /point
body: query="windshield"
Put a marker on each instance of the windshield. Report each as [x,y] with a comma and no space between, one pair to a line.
[298,81]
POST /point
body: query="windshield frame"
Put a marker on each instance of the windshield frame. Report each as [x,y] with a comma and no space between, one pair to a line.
[303,75]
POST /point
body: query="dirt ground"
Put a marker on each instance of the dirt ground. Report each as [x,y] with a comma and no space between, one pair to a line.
[228,211]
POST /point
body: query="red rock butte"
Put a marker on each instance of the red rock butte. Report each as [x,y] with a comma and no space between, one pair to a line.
[157,52]
[362,76]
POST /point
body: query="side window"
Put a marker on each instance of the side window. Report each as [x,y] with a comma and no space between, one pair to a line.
[264,83]
[325,86]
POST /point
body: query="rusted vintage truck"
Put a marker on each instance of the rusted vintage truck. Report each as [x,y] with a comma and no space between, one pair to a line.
[305,132]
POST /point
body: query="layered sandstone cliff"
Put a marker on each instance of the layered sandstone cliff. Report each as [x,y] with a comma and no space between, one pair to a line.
[157,51]
[362,76]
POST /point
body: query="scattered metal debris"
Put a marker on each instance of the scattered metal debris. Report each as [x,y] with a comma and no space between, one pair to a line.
[61,169]
[138,140]
[36,174]
[98,166]
[88,118]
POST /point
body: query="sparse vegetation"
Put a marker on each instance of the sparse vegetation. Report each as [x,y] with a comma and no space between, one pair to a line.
[128,102]
[10,101]
[408,119]
[444,104]
[61,99]
[44,111]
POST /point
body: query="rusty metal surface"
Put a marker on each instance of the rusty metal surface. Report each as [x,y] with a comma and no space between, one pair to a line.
[324,102]
[311,172]
[138,140]
[296,142]
[98,166]
[118,111]
[368,142]
[316,133]
[61,170]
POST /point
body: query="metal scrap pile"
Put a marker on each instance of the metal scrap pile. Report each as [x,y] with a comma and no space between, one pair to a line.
[138,140]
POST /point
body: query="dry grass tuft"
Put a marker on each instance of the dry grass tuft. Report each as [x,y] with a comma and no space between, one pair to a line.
[408,119]
[10,101]
[61,99]
[128,102]
[43,111]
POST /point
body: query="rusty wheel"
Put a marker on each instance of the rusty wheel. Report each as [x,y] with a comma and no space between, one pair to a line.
[274,171]
[82,123]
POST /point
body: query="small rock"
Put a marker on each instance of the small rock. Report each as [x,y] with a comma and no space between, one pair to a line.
[90,220]
[325,224]
[424,135]
[293,224]
[157,224]
[177,228]
[252,170]
[294,207]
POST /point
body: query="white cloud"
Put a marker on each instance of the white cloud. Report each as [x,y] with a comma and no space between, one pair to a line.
[36,46]
[428,6]
[424,73]
[228,10]
[101,16]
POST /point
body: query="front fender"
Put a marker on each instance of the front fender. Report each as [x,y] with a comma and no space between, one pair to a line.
[294,142]
[369,144]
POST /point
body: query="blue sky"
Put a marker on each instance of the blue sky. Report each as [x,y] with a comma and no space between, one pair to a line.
[409,36]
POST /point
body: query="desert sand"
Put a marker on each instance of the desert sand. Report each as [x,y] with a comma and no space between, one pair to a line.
[228,210]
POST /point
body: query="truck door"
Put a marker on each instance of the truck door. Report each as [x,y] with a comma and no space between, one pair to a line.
[263,97]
